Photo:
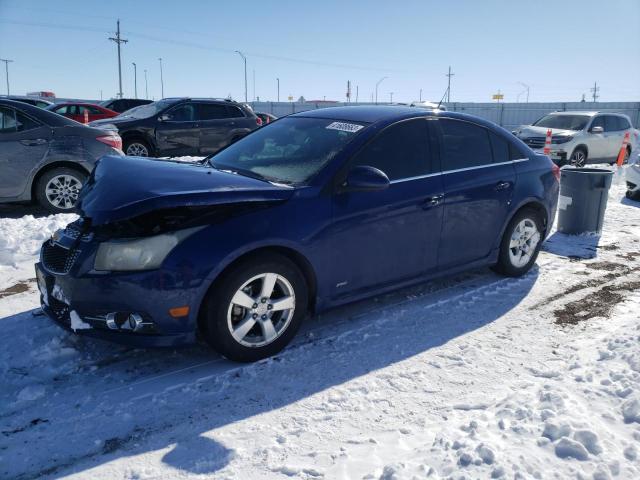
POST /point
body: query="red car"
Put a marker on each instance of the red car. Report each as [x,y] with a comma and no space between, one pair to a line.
[76,111]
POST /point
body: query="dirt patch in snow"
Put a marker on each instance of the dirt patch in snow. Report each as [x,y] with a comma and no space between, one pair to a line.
[606,266]
[596,304]
[19,287]
[631,256]
[609,248]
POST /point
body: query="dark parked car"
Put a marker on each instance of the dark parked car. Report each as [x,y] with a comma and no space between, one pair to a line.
[47,157]
[123,104]
[77,111]
[38,102]
[266,117]
[317,209]
[182,126]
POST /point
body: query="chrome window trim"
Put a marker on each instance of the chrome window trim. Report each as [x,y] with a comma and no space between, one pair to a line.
[419,177]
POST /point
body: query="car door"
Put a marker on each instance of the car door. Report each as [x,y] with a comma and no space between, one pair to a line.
[388,236]
[23,144]
[614,128]
[478,179]
[597,143]
[215,125]
[177,131]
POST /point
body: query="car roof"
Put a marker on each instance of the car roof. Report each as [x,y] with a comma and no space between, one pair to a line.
[46,116]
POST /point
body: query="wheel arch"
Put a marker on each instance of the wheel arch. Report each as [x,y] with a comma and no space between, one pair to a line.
[580,146]
[531,203]
[52,166]
[292,254]
[136,134]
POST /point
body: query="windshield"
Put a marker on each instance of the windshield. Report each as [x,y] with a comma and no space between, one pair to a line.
[146,111]
[290,151]
[563,122]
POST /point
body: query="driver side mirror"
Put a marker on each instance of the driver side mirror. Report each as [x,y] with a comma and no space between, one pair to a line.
[364,178]
[597,130]
[165,117]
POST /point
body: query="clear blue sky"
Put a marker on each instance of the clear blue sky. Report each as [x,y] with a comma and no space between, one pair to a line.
[558,48]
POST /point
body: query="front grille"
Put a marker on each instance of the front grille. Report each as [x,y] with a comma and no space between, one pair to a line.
[57,259]
[534,142]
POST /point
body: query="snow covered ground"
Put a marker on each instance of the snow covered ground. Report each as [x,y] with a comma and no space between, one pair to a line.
[472,376]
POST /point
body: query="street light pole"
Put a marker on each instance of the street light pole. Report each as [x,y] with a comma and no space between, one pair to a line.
[161,79]
[278,80]
[135,79]
[146,88]
[245,73]
[377,84]
[6,69]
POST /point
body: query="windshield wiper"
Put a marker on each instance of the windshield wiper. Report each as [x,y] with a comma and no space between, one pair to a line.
[244,173]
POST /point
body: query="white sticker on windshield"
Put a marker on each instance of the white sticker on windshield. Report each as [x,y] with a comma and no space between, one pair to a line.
[345,127]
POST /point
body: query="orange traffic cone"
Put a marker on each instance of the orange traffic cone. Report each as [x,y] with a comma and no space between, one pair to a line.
[623,149]
[86,116]
[547,143]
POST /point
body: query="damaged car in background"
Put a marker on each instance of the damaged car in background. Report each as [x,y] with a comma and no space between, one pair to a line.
[315,210]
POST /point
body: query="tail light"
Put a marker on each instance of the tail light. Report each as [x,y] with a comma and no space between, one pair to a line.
[259,121]
[112,140]
[556,171]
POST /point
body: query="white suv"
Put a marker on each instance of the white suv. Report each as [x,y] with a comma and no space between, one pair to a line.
[579,138]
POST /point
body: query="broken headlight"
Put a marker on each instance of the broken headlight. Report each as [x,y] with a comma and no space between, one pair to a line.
[139,254]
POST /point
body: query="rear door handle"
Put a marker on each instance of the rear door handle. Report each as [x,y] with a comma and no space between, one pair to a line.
[34,142]
[432,201]
[502,185]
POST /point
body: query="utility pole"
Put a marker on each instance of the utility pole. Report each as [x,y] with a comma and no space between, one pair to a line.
[449,75]
[527,88]
[278,80]
[135,79]
[161,79]
[119,41]
[377,84]
[357,92]
[245,73]
[348,91]
[390,97]
[101,94]
[420,95]
[6,69]
[595,91]
[146,88]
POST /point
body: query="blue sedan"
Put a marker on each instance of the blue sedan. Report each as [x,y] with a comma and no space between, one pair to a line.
[314,210]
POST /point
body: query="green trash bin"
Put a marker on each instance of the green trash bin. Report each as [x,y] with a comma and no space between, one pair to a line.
[583,199]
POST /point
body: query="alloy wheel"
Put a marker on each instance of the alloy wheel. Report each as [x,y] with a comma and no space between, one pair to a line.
[137,150]
[62,191]
[523,243]
[578,158]
[261,310]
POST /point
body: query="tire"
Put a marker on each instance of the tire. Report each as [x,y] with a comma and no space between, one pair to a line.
[57,190]
[527,249]
[579,157]
[243,282]
[136,147]
[631,195]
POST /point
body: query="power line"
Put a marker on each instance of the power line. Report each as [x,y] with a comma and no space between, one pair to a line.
[118,41]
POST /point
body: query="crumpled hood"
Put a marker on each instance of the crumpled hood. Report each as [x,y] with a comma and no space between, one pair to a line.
[121,188]
[531,131]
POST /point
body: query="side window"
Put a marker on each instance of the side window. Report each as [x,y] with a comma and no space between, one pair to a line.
[7,120]
[183,113]
[611,123]
[624,123]
[515,153]
[93,111]
[400,151]
[597,122]
[212,111]
[234,112]
[500,148]
[24,123]
[465,145]
[62,110]
[73,110]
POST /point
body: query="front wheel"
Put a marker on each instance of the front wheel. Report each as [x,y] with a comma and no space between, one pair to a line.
[137,148]
[255,309]
[579,157]
[520,244]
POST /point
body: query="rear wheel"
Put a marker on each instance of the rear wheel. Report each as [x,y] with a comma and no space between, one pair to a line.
[57,190]
[520,244]
[137,147]
[255,309]
[579,157]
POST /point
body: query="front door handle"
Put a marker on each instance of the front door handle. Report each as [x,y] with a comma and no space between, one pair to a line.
[34,142]
[502,185]
[432,201]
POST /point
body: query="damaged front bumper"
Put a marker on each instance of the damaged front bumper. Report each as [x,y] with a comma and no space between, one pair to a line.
[125,307]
